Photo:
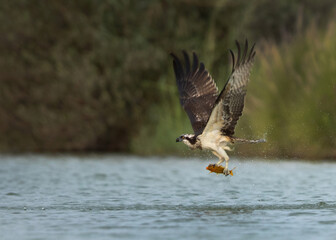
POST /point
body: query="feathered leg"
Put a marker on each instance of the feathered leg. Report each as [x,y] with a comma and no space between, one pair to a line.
[221,159]
[225,157]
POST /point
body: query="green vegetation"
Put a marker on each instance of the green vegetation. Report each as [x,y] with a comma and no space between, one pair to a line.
[89,75]
[291,101]
[294,95]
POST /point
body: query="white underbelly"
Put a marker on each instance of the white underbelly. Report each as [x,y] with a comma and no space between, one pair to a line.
[213,140]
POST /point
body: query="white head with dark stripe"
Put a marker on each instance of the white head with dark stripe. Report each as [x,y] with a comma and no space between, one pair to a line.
[187,139]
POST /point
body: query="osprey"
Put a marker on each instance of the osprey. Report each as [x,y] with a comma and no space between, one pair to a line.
[213,115]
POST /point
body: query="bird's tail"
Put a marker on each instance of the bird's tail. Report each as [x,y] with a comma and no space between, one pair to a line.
[241,140]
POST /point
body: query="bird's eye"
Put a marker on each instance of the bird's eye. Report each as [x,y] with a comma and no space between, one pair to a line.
[182,137]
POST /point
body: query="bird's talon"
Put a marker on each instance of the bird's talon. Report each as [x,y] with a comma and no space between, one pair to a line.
[228,172]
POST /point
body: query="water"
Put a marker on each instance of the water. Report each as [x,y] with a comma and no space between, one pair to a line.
[125,197]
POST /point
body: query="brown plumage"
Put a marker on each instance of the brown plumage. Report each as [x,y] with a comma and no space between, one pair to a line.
[213,115]
[230,101]
[198,91]
[199,94]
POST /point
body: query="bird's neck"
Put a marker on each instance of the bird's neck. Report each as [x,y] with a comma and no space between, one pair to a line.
[192,142]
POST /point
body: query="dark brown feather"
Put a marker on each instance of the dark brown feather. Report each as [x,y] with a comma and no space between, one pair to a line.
[230,101]
[198,91]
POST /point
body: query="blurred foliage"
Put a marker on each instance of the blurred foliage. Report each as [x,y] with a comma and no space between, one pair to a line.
[291,101]
[89,75]
[294,95]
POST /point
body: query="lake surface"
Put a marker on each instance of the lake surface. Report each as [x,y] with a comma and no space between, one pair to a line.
[127,197]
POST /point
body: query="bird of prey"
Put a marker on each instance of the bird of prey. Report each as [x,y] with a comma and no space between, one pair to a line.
[213,115]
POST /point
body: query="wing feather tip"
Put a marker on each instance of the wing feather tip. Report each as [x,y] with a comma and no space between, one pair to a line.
[245,51]
[195,62]
[238,57]
[233,60]
[252,52]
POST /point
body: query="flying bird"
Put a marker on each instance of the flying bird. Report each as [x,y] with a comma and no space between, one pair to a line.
[213,115]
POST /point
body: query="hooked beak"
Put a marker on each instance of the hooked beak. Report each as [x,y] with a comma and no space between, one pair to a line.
[178,139]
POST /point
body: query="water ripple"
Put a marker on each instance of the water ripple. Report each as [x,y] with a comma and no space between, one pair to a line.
[69,197]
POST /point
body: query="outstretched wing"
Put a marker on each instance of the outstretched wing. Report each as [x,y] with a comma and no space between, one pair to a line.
[198,91]
[230,102]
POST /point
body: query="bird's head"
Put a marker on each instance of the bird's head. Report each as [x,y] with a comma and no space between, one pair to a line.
[188,139]
[180,138]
